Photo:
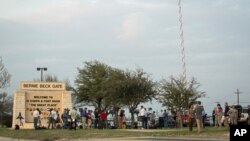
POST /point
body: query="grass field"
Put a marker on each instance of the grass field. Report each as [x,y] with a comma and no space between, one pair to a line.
[57,134]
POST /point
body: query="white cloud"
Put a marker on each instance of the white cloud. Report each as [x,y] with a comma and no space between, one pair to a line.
[131,28]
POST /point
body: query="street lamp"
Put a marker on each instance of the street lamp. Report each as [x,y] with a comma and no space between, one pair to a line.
[41,69]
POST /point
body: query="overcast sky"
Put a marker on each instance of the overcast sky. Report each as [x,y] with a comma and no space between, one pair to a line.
[62,34]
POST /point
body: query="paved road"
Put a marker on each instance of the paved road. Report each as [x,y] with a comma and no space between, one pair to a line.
[128,139]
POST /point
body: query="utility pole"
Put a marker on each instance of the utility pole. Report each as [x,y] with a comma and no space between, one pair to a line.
[238,97]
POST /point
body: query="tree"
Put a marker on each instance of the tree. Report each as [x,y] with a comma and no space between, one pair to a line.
[91,85]
[105,87]
[50,78]
[5,100]
[177,95]
[114,89]
[137,88]
[6,104]
[4,76]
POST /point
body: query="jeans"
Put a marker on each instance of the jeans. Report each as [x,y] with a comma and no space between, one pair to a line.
[165,120]
[35,122]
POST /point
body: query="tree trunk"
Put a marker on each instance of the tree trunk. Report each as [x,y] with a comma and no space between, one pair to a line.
[132,120]
[116,117]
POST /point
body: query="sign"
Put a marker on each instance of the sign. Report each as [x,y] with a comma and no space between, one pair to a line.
[44,102]
[42,86]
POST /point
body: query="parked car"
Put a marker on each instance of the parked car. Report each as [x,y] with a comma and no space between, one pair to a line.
[185,120]
[209,121]
[244,115]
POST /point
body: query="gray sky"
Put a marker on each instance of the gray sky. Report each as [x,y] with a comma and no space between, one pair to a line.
[62,34]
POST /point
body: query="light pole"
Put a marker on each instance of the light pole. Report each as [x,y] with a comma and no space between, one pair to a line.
[41,69]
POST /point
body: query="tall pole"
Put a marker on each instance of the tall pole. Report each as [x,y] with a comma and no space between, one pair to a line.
[182,43]
[238,96]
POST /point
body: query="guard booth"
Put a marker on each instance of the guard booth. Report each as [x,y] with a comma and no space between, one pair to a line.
[42,95]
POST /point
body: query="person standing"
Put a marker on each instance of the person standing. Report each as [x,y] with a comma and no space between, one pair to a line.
[233,115]
[198,113]
[142,117]
[226,116]
[146,118]
[20,119]
[161,121]
[89,118]
[121,119]
[52,119]
[213,117]
[204,116]
[218,115]
[152,120]
[73,115]
[165,118]
[36,117]
[84,116]
[65,118]
[191,118]
[97,118]
[103,118]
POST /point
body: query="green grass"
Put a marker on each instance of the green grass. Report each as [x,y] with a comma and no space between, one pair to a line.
[110,133]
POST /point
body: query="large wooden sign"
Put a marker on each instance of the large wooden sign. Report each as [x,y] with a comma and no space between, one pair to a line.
[41,95]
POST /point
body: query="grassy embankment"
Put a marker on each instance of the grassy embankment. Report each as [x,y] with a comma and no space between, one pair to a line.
[56,134]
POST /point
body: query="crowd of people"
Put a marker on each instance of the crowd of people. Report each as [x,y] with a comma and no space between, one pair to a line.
[227,116]
[194,116]
[70,119]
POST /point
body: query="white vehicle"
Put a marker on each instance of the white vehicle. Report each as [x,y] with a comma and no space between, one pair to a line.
[244,115]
